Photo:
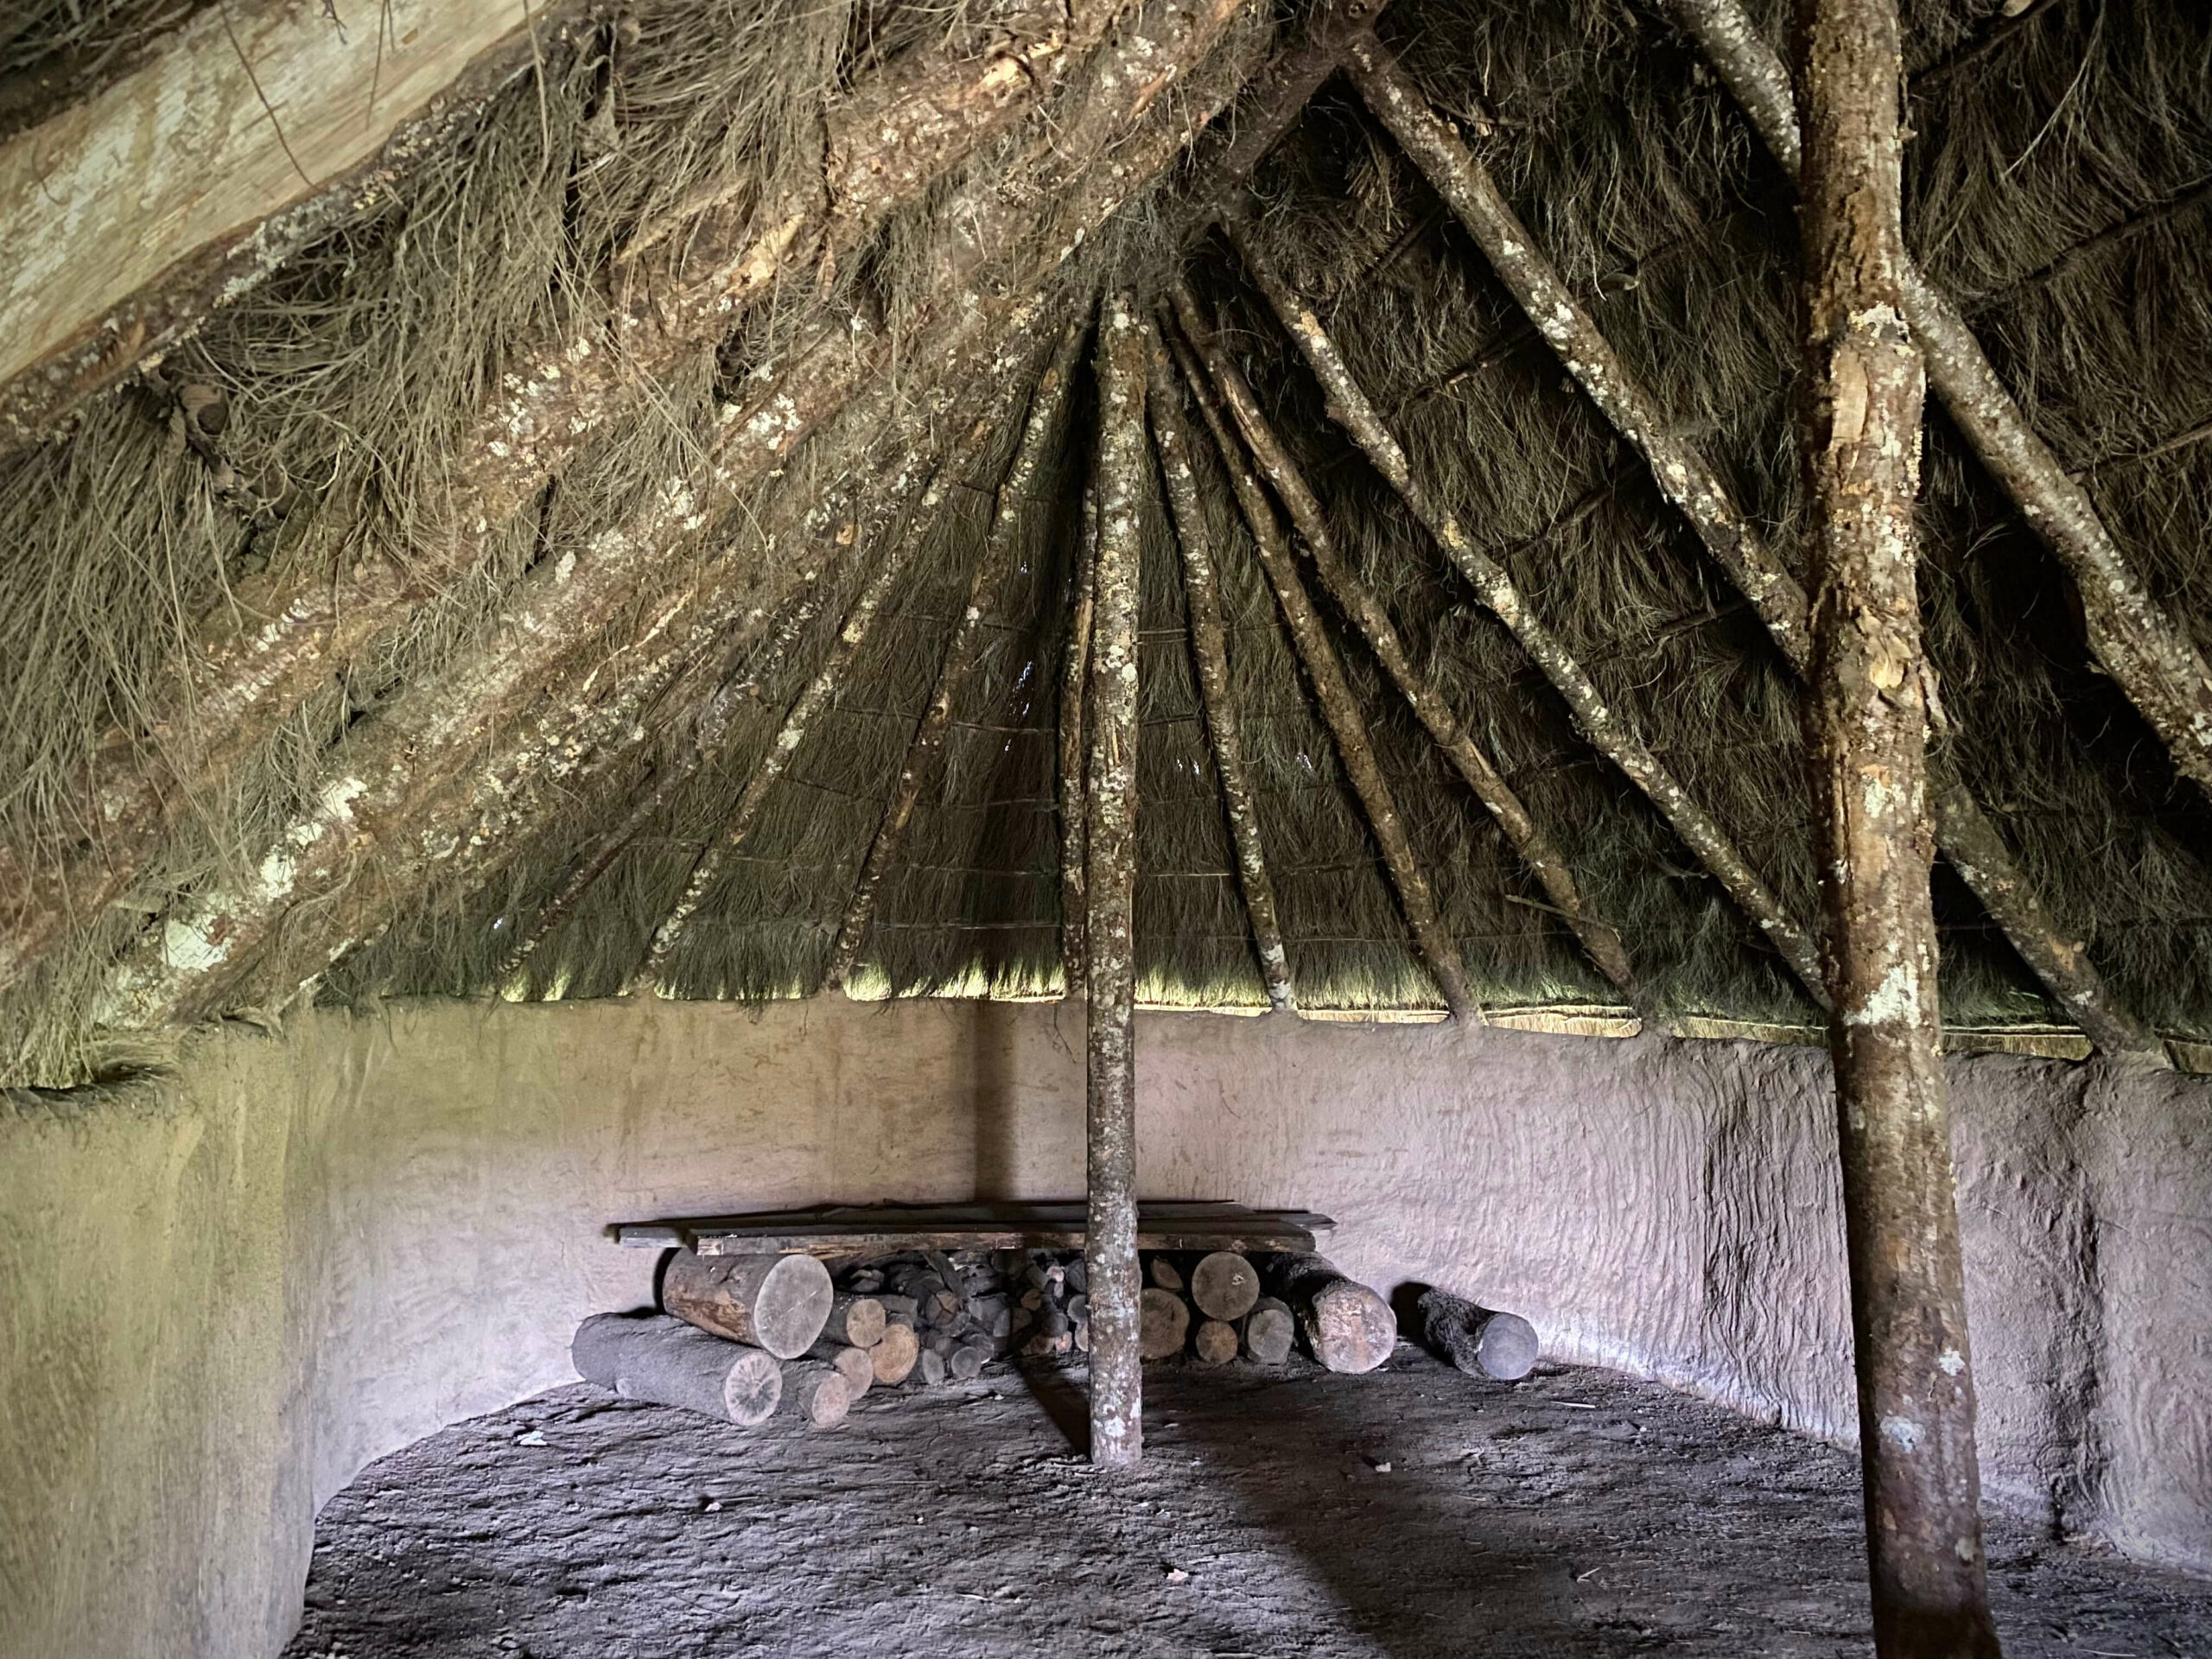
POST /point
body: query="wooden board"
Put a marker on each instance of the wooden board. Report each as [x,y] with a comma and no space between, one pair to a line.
[834,1230]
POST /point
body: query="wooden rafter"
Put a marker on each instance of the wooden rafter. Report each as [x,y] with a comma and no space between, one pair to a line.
[1208,379]
[1171,438]
[1866,729]
[992,565]
[278,640]
[1110,1248]
[1529,839]
[1970,840]
[2148,654]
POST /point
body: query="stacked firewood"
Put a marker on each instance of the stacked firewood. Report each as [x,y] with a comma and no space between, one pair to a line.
[746,1338]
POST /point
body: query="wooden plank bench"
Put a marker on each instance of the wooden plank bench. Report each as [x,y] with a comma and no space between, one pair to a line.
[835,1230]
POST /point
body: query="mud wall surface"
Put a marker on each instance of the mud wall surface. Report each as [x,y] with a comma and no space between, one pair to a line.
[222,1295]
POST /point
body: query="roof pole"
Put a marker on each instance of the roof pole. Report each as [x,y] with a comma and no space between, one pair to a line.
[1333,693]
[1866,729]
[1171,438]
[1109,1249]
[992,567]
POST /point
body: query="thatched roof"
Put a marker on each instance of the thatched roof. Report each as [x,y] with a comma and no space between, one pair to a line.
[401,595]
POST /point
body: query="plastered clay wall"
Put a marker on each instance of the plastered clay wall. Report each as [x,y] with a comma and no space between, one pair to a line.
[220,1296]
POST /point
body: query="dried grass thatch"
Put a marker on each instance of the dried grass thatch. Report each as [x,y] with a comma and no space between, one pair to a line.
[2058,182]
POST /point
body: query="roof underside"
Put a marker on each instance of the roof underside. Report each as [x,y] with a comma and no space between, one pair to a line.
[2057,182]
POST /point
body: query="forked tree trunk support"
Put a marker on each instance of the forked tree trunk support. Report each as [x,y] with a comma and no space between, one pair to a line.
[1170,437]
[1047,401]
[2146,652]
[1110,1139]
[1529,839]
[1333,693]
[1867,732]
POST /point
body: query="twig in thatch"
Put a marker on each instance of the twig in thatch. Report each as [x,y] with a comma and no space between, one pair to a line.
[1684,477]
[1170,436]
[1536,847]
[1333,693]
[913,530]
[709,731]
[1047,401]
[1110,1248]
[2154,660]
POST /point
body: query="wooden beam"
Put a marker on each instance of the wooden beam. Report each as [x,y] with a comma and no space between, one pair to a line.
[1171,439]
[1866,730]
[402,766]
[1110,1249]
[1075,675]
[1333,693]
[1047,401]
[1529,839]
[276,640]
[2149,655]
[243,134]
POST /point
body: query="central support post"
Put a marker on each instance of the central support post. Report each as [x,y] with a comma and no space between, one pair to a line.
[1110,807]
[1867,734]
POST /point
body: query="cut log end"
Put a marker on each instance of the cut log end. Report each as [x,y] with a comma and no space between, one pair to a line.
[780,1303]
[1164,1323]
[1224,1285]
[1269,1333]
[892,1358]
[815,1389]
[1215,1342]
[1350,1327]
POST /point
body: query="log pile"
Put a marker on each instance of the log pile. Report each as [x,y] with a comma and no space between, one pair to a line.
[748,1338]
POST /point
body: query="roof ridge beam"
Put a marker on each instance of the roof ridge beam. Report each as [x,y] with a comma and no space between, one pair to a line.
[1339,708]
[2150,656]
[1529,839]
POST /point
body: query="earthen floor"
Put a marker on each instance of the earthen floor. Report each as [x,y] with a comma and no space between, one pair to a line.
[1410,1514]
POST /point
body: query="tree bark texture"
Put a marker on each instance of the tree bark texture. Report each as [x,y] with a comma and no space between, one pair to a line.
[1981,408]
[1607,732]
[1109,1251]
[778,1303]
[1171,438]
[1333,693]
[1529,839]
[1047,400]
[1075,676]
[1685,479]
[1867,735]
[2150,656]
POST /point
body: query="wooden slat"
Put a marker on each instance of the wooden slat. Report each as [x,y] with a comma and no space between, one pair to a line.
[884,1230]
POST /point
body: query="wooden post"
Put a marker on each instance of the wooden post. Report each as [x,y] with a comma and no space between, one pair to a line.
[1075,675]
[1867,731]
[1046,403]
[2054,504]
[1110,1251]
[1170,437]
[1333,693]
[1358,601]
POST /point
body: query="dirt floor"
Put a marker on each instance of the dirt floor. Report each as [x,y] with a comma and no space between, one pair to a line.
[1414,1513]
